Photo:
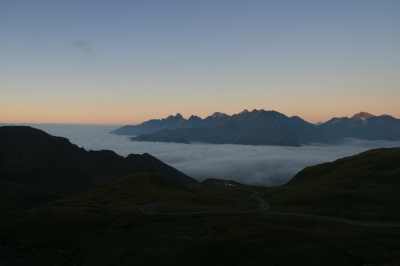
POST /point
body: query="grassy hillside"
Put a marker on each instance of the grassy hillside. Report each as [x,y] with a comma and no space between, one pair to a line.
[364,186]
[135,191]
[378,167]
[36,167]
[106,227]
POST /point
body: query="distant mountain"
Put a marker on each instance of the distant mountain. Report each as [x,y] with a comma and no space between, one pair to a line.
[36,166]
[183,135]
[364,126]
[260,127]
[171,122]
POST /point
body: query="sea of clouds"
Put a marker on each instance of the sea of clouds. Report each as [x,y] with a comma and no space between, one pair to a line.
[258,165]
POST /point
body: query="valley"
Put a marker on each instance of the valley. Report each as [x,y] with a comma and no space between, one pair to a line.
[199,133]
[345,212]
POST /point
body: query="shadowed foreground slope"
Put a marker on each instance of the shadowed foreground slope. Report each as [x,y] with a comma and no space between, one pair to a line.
[364,186]
[106,227]
[37,167]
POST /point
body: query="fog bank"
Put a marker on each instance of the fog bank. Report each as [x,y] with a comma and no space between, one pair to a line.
[258,165]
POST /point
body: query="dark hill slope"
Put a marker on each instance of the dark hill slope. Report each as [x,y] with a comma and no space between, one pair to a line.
[371,168]
[136,163]
[106,226]
[365,186]
[137,190]
[35,166]
[133,191]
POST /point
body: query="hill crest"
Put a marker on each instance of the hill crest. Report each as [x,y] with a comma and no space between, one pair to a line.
[45,167]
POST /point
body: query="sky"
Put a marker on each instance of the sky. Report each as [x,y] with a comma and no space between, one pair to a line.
[124,62]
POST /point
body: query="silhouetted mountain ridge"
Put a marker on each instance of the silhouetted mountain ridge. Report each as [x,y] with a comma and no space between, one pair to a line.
[171,122]
[364,126]
[260,127]
[49,167]
[364,115]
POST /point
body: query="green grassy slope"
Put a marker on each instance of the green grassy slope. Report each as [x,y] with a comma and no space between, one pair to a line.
[105,227]
[378,167]
[364,186]
[36,167]
[134,191]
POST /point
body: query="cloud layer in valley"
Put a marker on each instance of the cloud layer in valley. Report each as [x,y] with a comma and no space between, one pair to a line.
[258,165]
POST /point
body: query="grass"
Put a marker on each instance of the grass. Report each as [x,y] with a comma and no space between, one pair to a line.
[238,240]
[337,203]
[365,186]
[104,227]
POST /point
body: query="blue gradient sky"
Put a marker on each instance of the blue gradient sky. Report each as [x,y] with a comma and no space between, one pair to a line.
[123,62]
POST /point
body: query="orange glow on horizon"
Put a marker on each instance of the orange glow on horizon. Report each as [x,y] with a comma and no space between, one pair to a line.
[125,118]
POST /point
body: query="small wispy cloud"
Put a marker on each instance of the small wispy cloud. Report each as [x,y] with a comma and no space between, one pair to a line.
[83,45]
[168,65]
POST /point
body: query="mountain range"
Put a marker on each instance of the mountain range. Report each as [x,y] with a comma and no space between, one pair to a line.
[260,127]
[171,122]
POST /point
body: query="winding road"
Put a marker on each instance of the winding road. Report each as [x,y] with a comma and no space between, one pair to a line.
[334,219]
[148,209]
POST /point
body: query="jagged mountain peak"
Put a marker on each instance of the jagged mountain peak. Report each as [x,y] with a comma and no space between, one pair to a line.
[297,118]
[264,127]
[364,115]
[218,115]
[178,115]
[194,117]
